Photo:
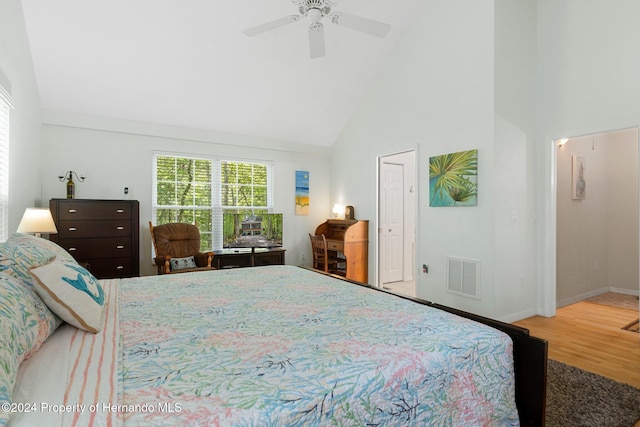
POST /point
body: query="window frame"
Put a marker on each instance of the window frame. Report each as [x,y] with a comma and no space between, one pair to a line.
[217,208]
[6,105]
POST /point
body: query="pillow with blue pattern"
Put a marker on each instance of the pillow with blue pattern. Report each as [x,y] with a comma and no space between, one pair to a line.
[72,292]
[21,317]
[16,258]
[28,240]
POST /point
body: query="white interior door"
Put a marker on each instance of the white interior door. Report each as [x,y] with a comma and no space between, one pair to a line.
[391,222]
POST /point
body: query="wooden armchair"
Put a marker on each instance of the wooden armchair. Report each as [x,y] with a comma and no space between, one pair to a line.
[177,248]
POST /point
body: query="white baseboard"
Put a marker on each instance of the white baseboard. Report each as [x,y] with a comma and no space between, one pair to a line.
[514,317]
[580,297]
[625,291]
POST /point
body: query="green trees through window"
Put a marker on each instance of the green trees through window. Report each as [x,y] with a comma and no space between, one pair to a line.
[195,190]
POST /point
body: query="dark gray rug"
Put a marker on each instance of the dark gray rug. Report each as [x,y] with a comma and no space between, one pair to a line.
[579,398]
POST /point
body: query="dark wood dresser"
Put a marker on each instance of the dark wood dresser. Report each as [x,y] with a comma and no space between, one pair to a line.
[103,235]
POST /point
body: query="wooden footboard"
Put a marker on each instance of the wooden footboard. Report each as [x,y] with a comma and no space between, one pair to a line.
[529,355]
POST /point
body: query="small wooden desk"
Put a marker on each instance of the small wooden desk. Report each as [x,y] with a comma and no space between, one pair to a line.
[351,238]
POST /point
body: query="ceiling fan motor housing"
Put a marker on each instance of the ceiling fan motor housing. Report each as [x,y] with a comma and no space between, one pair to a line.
[324,6]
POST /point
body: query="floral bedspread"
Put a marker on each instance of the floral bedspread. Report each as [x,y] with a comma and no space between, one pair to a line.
[282,346]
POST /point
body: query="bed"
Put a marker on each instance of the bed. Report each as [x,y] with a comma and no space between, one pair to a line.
[262,346]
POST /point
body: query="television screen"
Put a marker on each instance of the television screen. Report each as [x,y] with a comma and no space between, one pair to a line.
[252,231]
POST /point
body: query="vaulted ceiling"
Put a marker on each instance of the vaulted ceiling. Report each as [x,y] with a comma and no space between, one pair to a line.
[188,63]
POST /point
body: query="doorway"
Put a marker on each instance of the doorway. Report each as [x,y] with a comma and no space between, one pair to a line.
[397,219]
[596,235]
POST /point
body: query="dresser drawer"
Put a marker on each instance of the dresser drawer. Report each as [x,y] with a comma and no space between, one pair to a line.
[76,210]
[103,234]
[112,247]
[109,268]
[93,228]
[333,245]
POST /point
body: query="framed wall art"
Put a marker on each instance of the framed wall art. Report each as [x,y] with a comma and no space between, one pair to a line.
[302,192]
[578,178]
[453,179]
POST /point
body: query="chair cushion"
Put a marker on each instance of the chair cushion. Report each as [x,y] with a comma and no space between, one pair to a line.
[177,240]
[182,263]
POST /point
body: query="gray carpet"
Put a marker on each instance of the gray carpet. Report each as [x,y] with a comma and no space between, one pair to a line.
[579,398]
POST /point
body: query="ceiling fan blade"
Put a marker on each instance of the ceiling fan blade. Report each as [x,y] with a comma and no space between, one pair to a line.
[316,40]
[366,25]
[268,26]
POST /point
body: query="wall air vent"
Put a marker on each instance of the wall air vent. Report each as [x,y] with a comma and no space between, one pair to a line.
[463,277]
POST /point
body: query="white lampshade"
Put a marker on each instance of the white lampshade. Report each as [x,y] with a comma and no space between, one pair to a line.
[37,221]
[338,210]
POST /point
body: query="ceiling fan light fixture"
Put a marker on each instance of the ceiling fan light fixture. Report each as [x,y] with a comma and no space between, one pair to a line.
[314,15]
[315,10]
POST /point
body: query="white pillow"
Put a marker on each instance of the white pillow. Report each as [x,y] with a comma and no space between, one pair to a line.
[71,292]
[182,263]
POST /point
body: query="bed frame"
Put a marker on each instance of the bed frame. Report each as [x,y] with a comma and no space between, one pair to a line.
[529,355]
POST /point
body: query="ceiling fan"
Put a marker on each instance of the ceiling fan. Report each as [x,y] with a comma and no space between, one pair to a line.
[316,10]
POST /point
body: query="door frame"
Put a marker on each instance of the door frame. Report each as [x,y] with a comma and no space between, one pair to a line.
[410,212]
[547,256]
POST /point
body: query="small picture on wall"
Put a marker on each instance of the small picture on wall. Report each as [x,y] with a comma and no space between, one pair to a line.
[578,177]
[302,193]
[453,179]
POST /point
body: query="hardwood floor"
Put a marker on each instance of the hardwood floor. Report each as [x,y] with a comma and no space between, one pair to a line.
[404,288]
[589,336]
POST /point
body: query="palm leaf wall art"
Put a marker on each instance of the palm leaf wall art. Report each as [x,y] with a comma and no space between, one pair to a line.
[453,179]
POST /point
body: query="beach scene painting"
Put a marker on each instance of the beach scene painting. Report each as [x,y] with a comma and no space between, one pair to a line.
[302,192]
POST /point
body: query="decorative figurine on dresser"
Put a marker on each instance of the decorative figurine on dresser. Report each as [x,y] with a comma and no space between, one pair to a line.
[102,235]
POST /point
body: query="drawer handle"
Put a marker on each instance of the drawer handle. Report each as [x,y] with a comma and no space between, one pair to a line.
[120,267]
[73,249]
[72,211]
[120,210]
[72,229]
[120,228]
[120,247]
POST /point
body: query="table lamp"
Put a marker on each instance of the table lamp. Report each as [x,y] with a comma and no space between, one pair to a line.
[37,221]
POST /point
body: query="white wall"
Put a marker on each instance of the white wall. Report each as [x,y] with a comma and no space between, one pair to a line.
[582,224]
[16,75]
[597,237]
[115,154]
[463,77]
[623,256]
[435,94]
[514,166]
[588,83]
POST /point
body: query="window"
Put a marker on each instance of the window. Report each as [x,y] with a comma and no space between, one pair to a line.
[200,190]
[244,187]
[6,103]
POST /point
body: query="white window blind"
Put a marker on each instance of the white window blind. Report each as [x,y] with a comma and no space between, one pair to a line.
[6,104]
[199,190]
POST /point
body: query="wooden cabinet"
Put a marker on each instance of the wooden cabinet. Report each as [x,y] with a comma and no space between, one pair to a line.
[230,258]
[101,234]
[350,239]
